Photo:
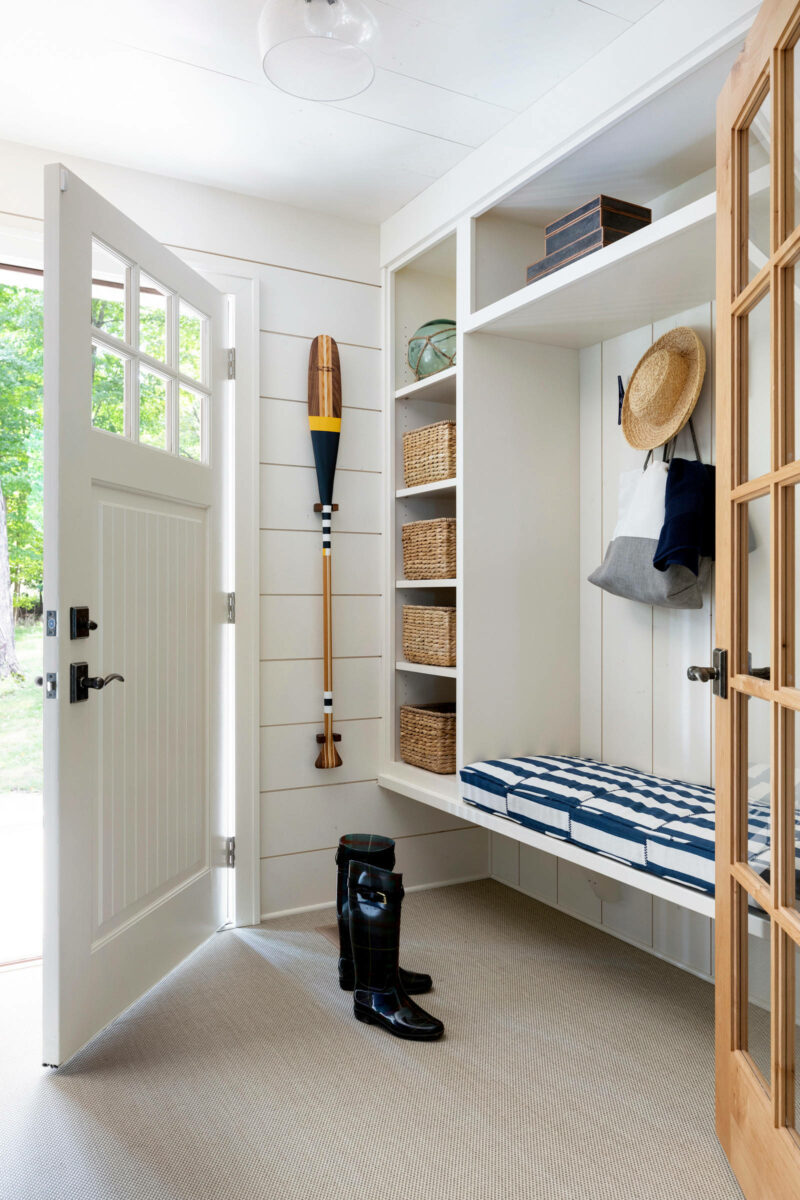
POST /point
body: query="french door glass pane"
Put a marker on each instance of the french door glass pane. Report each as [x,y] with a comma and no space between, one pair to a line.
[794,892]
[759,615]
[758,974]
[758,389]
[109,291]
[108,390]
[759,785]
[759,141]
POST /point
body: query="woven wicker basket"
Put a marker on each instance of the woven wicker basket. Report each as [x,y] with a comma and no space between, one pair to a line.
[429,635]
[429,549]
[429,453]
[428,736]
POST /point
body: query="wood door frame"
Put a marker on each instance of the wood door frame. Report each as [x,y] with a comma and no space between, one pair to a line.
[21,240]
[753,1119]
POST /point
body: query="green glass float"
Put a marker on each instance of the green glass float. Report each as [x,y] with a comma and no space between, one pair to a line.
[432,348]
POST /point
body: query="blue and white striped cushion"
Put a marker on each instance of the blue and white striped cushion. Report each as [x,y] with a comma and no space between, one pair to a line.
[554,789]
[486,784]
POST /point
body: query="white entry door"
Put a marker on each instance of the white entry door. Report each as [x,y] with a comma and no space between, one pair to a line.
[134,772]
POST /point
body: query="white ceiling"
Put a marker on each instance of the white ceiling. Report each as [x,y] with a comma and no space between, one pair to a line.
[175,86]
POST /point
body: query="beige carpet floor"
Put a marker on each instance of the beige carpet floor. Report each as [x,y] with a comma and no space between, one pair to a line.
[573,1068]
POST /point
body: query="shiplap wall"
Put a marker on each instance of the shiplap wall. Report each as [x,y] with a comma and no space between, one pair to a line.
[637,706]
[316,274]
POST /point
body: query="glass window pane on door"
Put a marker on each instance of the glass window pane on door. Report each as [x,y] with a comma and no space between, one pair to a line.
[152,409]
[192,340]
[796,957]
[152,319]
[191,422]
[758,974]
[757,380]
[109,291]
[756,547]
[108,390]
[759,785]
[759,145]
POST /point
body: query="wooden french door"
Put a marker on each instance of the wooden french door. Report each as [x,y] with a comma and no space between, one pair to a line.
[758,607]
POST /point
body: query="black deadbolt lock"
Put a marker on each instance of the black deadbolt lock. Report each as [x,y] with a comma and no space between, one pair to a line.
[79,624]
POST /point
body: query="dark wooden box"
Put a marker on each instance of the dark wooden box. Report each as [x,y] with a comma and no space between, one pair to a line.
[604,212]
[595,224]
[560,258]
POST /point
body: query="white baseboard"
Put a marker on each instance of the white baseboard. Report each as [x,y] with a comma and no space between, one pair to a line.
[416,887]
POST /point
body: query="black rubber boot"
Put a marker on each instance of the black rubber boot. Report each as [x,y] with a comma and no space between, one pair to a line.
[379,998]
[377,851]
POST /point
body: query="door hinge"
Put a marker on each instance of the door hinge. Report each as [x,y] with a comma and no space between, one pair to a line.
[231,608]
[230,852]
[231,364]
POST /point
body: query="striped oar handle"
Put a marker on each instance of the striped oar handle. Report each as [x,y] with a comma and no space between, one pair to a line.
[328,755]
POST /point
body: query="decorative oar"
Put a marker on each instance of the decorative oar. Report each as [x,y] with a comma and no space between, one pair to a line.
[325,422]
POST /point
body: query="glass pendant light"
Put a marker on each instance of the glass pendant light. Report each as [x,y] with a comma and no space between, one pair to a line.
[317,49]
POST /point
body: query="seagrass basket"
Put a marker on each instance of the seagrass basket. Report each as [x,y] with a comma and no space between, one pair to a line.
[428,736]
[429,634]
[429,453]
[429,549]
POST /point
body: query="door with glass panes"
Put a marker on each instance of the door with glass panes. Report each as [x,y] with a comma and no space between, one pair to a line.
[758,608]
[136,653]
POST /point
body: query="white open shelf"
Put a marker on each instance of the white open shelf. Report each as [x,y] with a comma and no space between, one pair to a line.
[440,388]
[425,669]
[667,267]
[425,583]
[443,487]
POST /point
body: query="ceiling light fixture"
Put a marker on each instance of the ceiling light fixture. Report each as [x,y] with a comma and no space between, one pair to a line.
[317,49]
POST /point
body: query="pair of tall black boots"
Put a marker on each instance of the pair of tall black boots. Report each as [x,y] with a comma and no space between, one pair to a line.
[368,901]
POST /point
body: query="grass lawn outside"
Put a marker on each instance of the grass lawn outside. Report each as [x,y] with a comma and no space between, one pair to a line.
[21,717]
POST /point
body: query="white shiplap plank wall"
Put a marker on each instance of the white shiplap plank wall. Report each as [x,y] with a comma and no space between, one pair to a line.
[316,274]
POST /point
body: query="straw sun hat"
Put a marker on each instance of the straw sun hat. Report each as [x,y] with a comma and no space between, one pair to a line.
[663,389]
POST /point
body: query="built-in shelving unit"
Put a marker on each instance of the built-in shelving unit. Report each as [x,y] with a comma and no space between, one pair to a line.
[514,394]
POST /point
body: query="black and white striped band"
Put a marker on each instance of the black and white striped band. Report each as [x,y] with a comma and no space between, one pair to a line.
[327,702]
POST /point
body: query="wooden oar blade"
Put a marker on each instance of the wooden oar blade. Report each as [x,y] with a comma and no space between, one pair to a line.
[324,411]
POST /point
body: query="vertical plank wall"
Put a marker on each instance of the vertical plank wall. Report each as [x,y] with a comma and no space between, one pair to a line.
[316,274]
[636,704]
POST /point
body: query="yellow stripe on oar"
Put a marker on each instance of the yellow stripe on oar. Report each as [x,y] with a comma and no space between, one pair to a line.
[328,424]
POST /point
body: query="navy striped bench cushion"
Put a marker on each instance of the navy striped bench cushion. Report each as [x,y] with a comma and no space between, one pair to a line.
[615,811]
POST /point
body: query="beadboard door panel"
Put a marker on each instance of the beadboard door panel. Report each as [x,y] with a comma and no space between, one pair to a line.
[290,563]
[285,438]
[284,371]
[305,304]
[315,818]
[288,753]
[291,626]
[288,496]
[290,690]
[591,551]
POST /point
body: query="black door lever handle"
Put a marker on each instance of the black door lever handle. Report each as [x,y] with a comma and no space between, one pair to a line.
[98,682]
[81,682]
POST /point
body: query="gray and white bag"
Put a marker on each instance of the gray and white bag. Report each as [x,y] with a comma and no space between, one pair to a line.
[627,569]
